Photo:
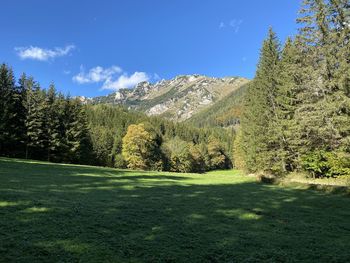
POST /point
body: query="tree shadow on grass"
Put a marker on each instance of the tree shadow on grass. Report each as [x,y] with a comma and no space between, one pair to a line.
[124,218]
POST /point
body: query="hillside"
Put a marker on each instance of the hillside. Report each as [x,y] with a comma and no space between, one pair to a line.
[177,99]
[224,113]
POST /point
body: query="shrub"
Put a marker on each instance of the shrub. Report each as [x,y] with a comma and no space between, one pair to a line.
[119,161]
[178,155]
[266,178]
[326,164]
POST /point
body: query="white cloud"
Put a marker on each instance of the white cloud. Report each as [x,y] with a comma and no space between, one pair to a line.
[236,24]
[96,74]
[42,54]
[112,78]
[125,81]
[66,72]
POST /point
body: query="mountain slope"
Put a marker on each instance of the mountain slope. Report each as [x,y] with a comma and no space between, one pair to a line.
[224,113]
[177,99]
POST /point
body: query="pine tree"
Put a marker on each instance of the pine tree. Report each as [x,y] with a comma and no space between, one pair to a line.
[62,147]
[27,85]
[340,35]
[283,133]
[324,115]
[36,121]
[9,137]
[260,108]
[52,124]
[77,137]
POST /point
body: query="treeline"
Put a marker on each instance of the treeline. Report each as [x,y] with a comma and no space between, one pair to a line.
[296,114]
[41,124]
[123,138]
[46,125]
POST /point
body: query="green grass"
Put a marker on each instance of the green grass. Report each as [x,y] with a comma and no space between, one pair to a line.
[67,213]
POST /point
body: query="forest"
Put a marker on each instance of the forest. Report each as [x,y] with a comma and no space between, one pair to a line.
[296,111]
[43,124]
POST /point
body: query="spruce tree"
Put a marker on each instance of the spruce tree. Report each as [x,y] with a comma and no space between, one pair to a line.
[77,137]
[36,122]
[52,124]
[324,115]
[7,113]
[284,129]
[260,107]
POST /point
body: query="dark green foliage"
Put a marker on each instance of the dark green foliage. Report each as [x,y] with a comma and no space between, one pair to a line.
[36,121]
[78,138]
[260,109]
[41,124]
[11,114]
[53,123]
[297,109]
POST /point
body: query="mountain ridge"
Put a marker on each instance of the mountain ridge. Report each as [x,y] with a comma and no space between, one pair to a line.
[177,99]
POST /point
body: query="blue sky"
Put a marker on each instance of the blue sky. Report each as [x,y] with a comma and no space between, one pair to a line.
[94,47]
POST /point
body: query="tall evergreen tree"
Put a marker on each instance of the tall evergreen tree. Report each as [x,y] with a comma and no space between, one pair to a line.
[260,107]
[8,112]
[283,133]
[78,139]
[52,124]
[36,122]
[324,115]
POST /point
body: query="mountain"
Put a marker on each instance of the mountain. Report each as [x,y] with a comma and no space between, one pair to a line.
[224,113]
[177,99]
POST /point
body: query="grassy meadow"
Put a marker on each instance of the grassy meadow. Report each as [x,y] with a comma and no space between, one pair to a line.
[68,213]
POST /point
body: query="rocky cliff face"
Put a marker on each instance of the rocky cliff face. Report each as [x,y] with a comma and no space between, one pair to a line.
[176,99]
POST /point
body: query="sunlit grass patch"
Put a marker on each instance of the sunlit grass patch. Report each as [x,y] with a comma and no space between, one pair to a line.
[90,214]
[36,209]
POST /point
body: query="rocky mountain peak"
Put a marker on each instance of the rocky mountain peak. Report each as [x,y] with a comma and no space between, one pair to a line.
[176,99]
